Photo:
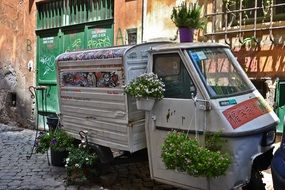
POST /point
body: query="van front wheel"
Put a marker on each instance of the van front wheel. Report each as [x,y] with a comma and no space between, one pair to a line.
[255,181]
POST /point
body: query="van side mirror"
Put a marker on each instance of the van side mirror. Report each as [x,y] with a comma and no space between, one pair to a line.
[200,103]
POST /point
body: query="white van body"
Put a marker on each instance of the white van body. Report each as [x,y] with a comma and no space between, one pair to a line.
[92,99]
[206,91]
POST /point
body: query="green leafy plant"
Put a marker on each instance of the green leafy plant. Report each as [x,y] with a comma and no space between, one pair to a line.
[57,140]
[181,153]
[80,164]
[147,85]
[188,15]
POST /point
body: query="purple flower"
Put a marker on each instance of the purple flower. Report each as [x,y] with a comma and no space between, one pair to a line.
[53,141]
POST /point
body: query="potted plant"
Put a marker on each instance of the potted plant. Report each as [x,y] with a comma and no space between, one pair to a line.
[146,89]
[80,164]
[187,17]
[181,153]
[58,141]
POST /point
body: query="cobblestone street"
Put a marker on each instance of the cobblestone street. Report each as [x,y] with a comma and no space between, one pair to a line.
[18,172]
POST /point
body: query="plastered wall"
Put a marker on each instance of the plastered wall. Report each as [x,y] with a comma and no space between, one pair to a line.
[17,53]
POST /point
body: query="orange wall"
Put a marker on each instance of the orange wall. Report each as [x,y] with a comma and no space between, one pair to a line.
[267,61]
[17,45]
[127,15]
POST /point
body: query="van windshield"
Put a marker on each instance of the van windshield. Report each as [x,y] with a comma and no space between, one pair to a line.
[219,71]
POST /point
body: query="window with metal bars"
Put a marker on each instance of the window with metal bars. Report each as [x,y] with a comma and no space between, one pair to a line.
[58,13]
[246,11]
[230,16]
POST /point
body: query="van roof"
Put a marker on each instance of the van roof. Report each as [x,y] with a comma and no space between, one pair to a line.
[172,46]
[119,51]
[91,54]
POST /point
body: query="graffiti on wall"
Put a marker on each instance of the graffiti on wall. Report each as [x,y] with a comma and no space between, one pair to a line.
[119,37]
[7,20]
[103,42]
[48,64]
[29,45]
[76,45]
[90,79]
[99,38]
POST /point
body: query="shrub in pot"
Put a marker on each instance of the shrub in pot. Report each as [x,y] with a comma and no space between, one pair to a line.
[58,141]
[181,153]
[187,18]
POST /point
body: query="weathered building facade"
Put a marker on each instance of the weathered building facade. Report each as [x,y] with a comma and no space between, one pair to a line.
[40,30]
[17,52]
[255,30]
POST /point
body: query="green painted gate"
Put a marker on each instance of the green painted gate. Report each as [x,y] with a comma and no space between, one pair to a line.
[280,103]
[68,25]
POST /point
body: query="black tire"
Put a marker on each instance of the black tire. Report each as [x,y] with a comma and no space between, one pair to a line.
[255,182]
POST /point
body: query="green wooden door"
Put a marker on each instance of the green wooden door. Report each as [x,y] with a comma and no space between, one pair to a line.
[73,40]
[280,103]
[48,47]
[68,25]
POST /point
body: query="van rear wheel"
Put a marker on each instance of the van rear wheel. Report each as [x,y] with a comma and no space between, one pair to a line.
[255,182]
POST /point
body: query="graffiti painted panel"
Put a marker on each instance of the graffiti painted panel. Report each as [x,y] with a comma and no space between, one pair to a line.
[246,111]
[100,37]
[90,79]
[93,54]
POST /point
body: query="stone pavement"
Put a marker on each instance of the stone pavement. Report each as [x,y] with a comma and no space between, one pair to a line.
[18,172]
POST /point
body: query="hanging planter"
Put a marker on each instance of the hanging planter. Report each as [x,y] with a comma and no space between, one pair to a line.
[147,88]
[183,154]
[145,104]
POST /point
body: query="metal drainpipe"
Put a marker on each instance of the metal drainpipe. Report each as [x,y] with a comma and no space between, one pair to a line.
[144,4]
[255,17]
[214,20]
[271,20]
[240,20]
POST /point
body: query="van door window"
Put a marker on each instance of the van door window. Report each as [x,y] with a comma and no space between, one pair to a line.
[170,68]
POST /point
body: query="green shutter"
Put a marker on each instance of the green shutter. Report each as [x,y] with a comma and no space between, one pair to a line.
[280,103]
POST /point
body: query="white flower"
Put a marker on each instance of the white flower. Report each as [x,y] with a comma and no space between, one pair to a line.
[67,160]
[76,165]
[86,159]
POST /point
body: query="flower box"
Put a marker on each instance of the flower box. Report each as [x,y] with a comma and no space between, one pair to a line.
[145,104]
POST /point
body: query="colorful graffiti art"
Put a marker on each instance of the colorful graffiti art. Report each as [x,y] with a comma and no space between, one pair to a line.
[90,79]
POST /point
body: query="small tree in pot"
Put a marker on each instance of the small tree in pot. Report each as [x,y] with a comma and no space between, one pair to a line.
[187,18]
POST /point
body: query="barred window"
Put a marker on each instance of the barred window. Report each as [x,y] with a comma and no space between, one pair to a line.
[235,15]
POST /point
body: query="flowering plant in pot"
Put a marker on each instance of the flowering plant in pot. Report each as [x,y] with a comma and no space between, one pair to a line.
[146,89]
[181,153]
[58,141]
[187,17]
[80,164]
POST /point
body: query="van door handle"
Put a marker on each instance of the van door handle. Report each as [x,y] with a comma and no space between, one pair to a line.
[120,114]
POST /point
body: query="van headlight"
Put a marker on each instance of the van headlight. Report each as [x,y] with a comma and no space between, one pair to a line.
[268,138]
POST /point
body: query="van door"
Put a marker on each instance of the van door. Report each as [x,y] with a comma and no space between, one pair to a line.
[280,103]
[176,111]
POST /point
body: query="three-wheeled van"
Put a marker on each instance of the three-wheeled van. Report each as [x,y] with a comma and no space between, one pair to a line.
[206,90]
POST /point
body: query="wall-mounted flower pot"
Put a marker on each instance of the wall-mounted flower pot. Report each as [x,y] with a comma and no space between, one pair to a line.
[186,34]
[145,104]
